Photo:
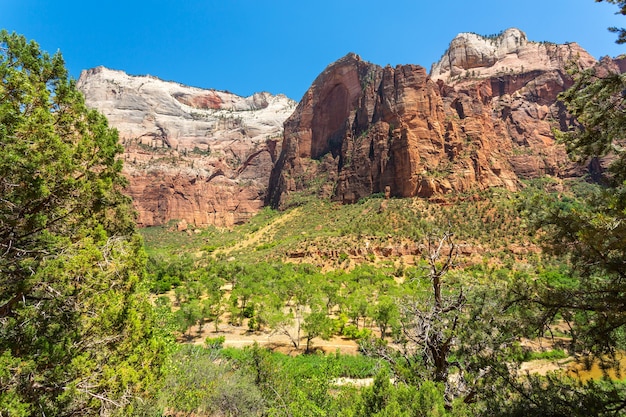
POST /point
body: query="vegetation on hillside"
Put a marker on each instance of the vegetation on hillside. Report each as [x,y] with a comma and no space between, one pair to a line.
[444,300]
[474,318]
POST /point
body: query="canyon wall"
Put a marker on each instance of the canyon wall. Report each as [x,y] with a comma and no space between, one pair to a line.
[482,118]
[200,156]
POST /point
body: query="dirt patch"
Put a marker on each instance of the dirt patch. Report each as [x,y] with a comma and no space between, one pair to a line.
[240,336]
[543,366]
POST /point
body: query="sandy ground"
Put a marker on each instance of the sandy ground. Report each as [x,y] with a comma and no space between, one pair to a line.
[240,336]
[543,366]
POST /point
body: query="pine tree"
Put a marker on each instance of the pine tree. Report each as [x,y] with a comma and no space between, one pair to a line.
[591,232]
[75,332]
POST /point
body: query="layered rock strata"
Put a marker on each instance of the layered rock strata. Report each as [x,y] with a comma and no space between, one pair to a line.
[483,118]
[202,156]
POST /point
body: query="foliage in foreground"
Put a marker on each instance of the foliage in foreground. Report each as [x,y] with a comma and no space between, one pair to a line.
[75,331]
[592,232]
[255,382]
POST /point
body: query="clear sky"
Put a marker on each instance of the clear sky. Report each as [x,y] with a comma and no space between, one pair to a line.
[280,46]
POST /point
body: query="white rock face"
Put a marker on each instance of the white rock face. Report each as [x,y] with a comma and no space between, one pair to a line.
[474,56]
[162,113]
[200,156]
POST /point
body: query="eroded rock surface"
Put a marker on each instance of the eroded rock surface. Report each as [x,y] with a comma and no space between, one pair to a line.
[201,156]
[483,118]
[510,52]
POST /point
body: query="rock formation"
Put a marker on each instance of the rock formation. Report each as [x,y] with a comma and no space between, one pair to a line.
[473,56]
[201,156]
[483,118]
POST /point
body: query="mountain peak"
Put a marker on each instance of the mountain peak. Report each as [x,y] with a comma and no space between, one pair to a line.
[199,155]
[476,56]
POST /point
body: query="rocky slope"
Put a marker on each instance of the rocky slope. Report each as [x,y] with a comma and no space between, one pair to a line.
[482,118]
[473,56]
[199,156]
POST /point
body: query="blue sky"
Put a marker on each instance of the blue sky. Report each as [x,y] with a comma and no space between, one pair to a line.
[280,46]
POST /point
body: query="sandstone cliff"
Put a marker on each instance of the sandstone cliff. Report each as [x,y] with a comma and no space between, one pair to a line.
[201,156]
[473,56]
[483,118]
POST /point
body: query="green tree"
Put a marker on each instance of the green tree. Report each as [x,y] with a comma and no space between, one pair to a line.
[189,314]
[383,399]
[75,331]
[316,324]
[356,304]
[591,232]
[377,397]
[385,314]
[212,308]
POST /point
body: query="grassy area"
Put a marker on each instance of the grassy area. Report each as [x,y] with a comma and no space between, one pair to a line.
[486,223]
[325,271]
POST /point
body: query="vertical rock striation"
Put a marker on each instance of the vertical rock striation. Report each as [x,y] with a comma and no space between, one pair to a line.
[482,118]
[202,156]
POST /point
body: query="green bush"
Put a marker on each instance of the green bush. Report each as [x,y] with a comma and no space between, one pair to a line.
[353,332]
[197,383]
[214,342]
[547,354]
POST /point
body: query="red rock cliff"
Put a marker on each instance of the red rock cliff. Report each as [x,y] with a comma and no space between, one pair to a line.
[362,129]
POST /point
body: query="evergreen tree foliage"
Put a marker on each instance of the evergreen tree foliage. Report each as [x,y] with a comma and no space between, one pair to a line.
[621,32]
[75,332]
[591,232]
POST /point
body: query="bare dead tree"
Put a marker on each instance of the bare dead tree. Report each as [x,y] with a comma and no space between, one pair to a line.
[430,326]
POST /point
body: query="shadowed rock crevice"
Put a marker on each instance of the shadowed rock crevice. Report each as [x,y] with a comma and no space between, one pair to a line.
[483,118]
